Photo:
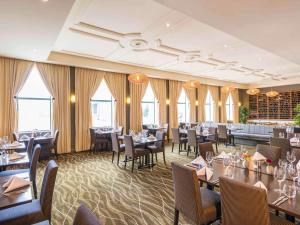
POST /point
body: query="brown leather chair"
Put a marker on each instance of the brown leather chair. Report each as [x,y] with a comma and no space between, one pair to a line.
[97,139]
[177,139]
[116,147]
[277,131]
[84,216]
[15,136]
[158,146]
[54,143]
[38,210]
[244,204]
[222,135]
[200,205]
[270,152]
[213,137]
[206,147]
[283,143]
[133,152]
[193,141]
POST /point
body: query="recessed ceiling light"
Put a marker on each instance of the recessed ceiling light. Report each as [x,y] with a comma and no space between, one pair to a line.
[225,46]
[44,0]
[35,50]
[168,24]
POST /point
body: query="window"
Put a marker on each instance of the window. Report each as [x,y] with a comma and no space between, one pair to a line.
[209,107]
[34,104]
[103,107]
[150,107]
[229,108]
[183,106]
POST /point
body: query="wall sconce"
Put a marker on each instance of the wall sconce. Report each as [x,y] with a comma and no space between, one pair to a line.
[168,102]
[240,104]
[128,100]
[196,103]
[220,103]
[73,98]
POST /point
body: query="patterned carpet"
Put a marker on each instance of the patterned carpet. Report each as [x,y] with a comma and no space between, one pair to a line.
[115,195]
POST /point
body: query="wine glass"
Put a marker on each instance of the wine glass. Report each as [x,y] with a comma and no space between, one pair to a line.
[282,163]
[209,158]
[280,175]
[292,172]
[290,191]
[290,157]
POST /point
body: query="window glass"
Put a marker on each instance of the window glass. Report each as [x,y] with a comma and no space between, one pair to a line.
[183,107]
[209,107]
[150,107]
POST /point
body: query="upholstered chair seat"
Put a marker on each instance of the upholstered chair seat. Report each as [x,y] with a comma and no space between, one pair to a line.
[270,152]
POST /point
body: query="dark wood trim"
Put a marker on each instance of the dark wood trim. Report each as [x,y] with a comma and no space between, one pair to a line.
[127,105]
[72,92]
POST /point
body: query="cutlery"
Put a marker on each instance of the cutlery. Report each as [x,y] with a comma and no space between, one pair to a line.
[282,201]
[278,199]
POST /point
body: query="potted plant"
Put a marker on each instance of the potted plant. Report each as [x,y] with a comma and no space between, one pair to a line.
[244,113]
[297,117]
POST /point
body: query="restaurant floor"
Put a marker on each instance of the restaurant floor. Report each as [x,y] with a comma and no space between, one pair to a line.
[115,195]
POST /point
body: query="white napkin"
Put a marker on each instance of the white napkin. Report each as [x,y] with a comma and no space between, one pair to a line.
[205,171]
[15,144]
[14,183]
[260,185]
[294,140]
[222,155]
[258,157]
[298,165]
[15,156]
[199,161]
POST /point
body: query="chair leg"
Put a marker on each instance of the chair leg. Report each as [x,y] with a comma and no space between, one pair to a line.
[188,150]
[152,160]
[176,217]
[196,151]
[172,146]
[217,148]
[113,155]
[156,157]
[125,162]
[164,157]
[118,158]
[132,165]
[34,189]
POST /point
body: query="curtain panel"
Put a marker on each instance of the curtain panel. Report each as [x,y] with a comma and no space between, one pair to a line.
[224,96]
[202,93]
[86,83]
[137,92]
[175,89]
[116,83]
[13,74]
[214,91]
[57,81]
[191,94]
[236,107]
[159,89]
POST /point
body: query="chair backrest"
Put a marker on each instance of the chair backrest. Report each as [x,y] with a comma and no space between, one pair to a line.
[297,130]
[243,204]
[15,136]
[182,125]
[277,131]
[213,133]
[55,138]
[176,137]
[120,130]
[270,152]
[48,188]
[34,162]
[194,125]
[129,146]
[291,135]
[206,147]
[297,153]
[144,127]
[115,142]
[93,134]
[222,131]
[187,192]
[160,136]
[84,216]
[283,143]
[29,148]
[192,137]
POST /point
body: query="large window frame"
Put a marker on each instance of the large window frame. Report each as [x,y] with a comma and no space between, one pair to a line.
[187,108]
[229,108]
[209,107]
[154,102]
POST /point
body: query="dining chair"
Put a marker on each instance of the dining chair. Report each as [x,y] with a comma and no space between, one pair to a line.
[15,136]
[205,147]
[277,131]
[120,130]
[297,130]
[165,127]
[297,153]
[29,148]
[270,152]
[133,152]
[245,204]
[31,171]
[97,139]
[84,216]
[193,141]
[54,143]
[193,125]
[39,209]
[177,139]
[292,135]
[116,147]
[213,136]
[199,204]
[222,135]
[283,143]
[158,146]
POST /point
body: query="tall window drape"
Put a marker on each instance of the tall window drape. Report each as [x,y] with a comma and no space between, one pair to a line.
[191,94]
[57,81]
[214,91]
[202,92]
[13,74]
[224,97]
[86,83]
[236,110]
[175,88]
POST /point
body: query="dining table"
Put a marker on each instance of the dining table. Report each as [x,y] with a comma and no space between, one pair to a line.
[16,197]
[13,146]
[44,141]
[251,175]
[6,161]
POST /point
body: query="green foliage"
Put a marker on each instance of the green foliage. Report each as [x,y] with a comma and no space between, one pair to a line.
[297,117]
[244,113]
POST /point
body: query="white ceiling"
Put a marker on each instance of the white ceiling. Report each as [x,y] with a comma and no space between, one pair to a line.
[246,42]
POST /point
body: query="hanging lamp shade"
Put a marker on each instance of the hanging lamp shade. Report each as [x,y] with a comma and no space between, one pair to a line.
[272,94]
[253,91]
[192,84]
[138,78]
[227,89]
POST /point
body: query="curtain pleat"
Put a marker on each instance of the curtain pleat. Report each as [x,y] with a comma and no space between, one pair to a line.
[137,92]
[159,89]
[57,81]
[13,74]
[235,99]
[214,91]
[224,96]
[117,86]
[202,93]
[175,89]
[86,83]
[191,94]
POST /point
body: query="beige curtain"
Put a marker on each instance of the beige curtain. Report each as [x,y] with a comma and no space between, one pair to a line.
[159,89]
[57,80]
[175,89]
[137,92]
[13,74]
[235,99]
[86,83]
[117,85]
[202,93]
[224,96]
[191,94]
[214,91]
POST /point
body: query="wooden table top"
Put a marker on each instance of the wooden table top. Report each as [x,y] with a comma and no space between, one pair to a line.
[249,176]
[7,162]
[17,197]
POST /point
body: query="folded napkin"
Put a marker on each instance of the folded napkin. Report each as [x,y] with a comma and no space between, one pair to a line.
[15,144]
[15,156]
[258,157]
[222,155]
[199,161]
[260,185]
[205,171]
[294,140]
[14,183]
[298,165]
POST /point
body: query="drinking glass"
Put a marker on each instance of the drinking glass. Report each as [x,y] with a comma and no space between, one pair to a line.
[290,157]
[292,172]
[280,175]
[282,163]
[290,191]
[209,158]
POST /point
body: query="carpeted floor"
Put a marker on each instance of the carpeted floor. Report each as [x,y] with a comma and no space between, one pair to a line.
[115,195]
